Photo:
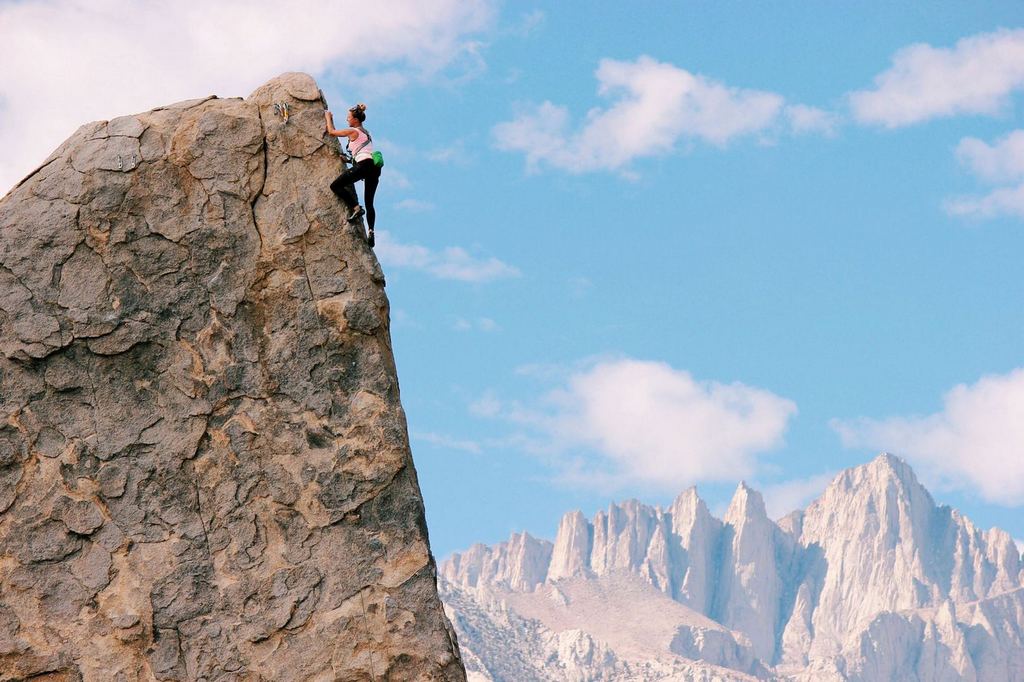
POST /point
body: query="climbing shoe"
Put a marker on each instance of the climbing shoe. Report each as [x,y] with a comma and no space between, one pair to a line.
[356,213]
[369,238]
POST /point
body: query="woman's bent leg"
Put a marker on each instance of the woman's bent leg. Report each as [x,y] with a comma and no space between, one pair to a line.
[344,187]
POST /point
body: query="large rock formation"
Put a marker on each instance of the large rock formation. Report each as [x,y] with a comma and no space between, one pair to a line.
[873,581]
[204,465]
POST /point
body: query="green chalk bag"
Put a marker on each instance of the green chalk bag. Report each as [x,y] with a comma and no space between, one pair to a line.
[378,159]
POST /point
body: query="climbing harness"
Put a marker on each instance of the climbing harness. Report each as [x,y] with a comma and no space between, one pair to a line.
[377,157]
[369,139]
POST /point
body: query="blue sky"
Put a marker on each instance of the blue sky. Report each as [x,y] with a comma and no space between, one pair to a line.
[637,247]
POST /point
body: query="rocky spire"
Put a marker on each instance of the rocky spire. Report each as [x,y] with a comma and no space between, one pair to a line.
[873,525]
[622,535]
[520,563]
[749,586]
[204,465]
[698,532]
[573,544]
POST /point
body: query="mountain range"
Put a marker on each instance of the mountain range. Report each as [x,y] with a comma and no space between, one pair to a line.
[872,581]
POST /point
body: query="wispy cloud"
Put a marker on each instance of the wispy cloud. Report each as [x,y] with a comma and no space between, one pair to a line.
[164,52]
[487,405]
[787,496]
[398,179]
[529,23]
[445,442]
[1002,162]
[414,206]
[976,76]
[455,152]
[401,319]
[998,202]
[656,105]
[626,421]
[999,162]
[453,262]
[805,120]
[975,443]
[483,324]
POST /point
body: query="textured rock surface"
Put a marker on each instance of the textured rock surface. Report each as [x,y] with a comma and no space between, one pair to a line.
[872,582]
[204,465]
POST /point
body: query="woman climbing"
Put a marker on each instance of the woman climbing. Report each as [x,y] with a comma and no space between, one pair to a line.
[360,148]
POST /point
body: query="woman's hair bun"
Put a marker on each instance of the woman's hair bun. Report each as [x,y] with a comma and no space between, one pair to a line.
[359,111]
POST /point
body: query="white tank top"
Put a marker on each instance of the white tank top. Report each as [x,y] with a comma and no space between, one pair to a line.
[361,147]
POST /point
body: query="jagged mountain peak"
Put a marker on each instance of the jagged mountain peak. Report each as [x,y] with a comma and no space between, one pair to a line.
[888,464]
[690,496]
[886,487]
[688,507]
[882,499]
[746,504]
[884,469]
[628,508]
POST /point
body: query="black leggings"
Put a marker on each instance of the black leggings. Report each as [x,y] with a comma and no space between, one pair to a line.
[344,186]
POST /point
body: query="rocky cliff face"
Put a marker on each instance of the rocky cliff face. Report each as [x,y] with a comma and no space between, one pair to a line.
[873,581]
[204,465]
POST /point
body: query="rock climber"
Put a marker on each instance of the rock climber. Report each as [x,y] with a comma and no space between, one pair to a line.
[360,148]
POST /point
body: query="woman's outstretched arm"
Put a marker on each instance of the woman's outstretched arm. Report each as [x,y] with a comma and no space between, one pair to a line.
[331,130]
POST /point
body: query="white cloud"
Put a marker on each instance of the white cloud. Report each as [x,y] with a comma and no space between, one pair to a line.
[483,324]
[805,119]
[452,262]
[974,77]
[631,421]
[657,104]
[787,496]
[999,162]
[975,443]
[445,442]
[70,61]
[443,154]
[998,202]
[398,179]
[414,206]
[401,319]
[529,23]
[487,405]
[455,152]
